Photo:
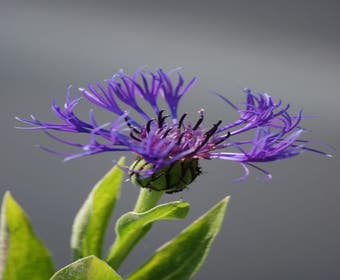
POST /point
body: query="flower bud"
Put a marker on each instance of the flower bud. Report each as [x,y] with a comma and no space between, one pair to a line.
[173,178]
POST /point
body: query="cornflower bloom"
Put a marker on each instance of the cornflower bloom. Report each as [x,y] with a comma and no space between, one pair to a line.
[167,146]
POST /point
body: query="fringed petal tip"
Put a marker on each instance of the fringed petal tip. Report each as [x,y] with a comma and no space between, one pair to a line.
[268,176]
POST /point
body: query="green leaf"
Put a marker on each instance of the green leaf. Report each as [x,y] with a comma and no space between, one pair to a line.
[181,258]
[89,268]
[22,255]
[129,222]
[90,223]
[132,226]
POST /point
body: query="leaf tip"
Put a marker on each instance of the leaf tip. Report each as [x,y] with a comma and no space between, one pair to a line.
[8,199]
[7,195]
[121,161]
[223,204]
[226,199]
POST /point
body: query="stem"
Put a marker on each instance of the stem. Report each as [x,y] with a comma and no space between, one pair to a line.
[147,199]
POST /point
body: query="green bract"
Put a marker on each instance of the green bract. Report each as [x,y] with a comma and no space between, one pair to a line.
[173,178]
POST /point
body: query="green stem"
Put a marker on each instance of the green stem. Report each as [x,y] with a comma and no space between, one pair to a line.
[147,199]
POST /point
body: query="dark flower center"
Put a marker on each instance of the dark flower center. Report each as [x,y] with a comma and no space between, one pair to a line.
[178,135]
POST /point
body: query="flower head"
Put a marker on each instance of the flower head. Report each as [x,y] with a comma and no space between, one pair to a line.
[164,140]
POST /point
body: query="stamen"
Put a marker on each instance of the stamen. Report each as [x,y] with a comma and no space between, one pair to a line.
[166,133]
[208,135]
[134,129]
[160,116]
[210,132]
[135,137]
[161,119]
[200,120]
[225,137]
[180,138]
[148,125]
[128,122]
[181,120]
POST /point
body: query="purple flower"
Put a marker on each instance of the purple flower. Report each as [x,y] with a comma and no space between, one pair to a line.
[160,139]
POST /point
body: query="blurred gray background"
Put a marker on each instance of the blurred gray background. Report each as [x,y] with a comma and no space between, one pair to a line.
[288,228]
